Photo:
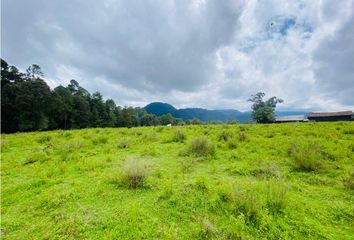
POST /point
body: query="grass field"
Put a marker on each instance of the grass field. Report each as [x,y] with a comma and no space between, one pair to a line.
[287,181]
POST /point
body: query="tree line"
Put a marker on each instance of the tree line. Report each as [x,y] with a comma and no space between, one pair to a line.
[28,104]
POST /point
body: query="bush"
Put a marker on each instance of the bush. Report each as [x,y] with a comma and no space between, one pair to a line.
[100,140]
[208,231]
[124,144]
[224,136]
[246,201]
[201,147]
[178,136]
[135,172]
[276,196]
[349,181]
[270,134]
[267,172]
[160,129]
[151,136]
[243,137]
[37,156]
[307,156]
[231,143]
[349,131]
[252,205]
[43,139]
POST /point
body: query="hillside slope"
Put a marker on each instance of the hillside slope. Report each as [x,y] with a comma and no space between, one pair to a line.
[205,115]
[286,181]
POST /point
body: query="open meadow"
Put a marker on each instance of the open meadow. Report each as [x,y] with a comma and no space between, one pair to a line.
[251,181]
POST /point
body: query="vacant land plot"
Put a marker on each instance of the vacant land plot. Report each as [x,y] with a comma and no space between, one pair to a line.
[288,181]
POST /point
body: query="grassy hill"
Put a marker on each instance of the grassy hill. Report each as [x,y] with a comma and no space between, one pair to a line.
[288,181]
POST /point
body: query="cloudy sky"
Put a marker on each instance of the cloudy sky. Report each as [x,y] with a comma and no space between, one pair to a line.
[190,53]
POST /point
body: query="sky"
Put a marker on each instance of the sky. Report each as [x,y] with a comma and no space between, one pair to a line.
[189,53]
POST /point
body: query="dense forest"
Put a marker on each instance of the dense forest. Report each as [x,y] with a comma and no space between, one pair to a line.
[28,104]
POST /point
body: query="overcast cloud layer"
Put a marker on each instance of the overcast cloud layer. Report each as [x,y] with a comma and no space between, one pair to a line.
[199,53]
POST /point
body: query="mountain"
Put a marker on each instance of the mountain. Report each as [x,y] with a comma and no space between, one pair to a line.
[205,115]
[202,114]
[159,108]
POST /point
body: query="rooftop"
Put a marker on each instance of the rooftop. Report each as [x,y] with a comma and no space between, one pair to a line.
[329,114]
[292,118]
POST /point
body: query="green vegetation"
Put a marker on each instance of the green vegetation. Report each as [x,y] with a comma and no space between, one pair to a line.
[274,181]
[28,104]
[201,147]
[134,173]
[263,111]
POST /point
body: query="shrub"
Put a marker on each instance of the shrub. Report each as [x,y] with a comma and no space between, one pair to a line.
[37,156]
[43,139]
[208,229]
[166,189]
[178,136]
[160,129]
[151,137]
[246,201]
[270,134]
[349,181]
[231,143]
[67,134]
[251,205]
[100,140]
[201,183]
[224,136]
[243,137]
[266,172]
[349,131]
[135,172]
[307,156]
[276,196]
[201,147]
[124,144]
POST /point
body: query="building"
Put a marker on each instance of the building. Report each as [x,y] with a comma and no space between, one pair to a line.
[292,118]
[330,116]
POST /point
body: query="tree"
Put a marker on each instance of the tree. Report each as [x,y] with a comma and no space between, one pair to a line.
[32,103]
[33,72]
[64,107]
[166,119]
[9,74]
[263,111]
[110,117]
[28,104]
[98,109]
[149,120]
[82,114]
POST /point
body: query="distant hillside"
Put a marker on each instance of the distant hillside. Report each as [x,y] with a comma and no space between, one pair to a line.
[202,114]
[159,108]
[205,115]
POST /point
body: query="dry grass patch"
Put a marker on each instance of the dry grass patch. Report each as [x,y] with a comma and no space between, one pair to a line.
[135,172]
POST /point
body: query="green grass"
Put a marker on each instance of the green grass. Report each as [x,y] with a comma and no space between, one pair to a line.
[286,181]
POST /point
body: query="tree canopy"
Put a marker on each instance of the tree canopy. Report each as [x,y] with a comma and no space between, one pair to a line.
[263,111]
[28,104]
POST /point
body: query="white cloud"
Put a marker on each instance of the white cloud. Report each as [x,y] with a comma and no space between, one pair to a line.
[190,53]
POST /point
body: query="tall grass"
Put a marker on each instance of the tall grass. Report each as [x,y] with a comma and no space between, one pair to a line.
[349,181]
[201,147]
[224,136]
[135,172]
[124,143]
[276,196]
[307,156]
[179,136]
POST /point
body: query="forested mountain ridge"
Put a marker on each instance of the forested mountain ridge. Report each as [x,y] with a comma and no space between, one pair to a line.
[205,115]
[28,104]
